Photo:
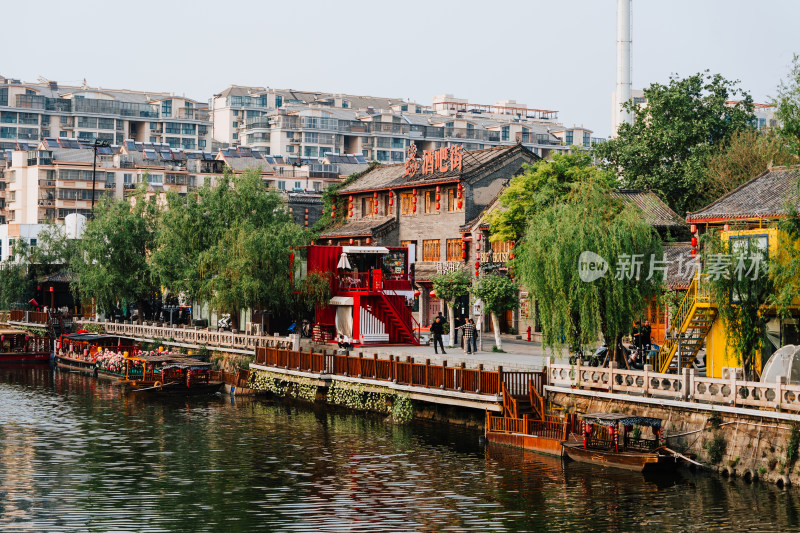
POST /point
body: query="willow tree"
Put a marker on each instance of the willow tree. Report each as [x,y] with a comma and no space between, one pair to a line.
[448,287]
[615,284]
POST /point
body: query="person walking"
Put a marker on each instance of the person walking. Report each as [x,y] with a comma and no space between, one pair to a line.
[468,330]
[646,334]
[437,328]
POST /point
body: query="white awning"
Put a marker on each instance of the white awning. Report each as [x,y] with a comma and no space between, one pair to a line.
[365,250]
[341,300]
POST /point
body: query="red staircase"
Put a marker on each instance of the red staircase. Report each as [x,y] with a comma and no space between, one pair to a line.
[400,322]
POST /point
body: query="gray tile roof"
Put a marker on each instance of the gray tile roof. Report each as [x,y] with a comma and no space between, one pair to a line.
[678,255]
[655,211]
[359,227]
[765,196]
[391,176]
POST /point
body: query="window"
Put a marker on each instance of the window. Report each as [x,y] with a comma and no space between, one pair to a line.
[504,133]
[173,142]
[33,243]
[278,101]
[387,209]
[8,118]
[454,249]
[105,123]
[166,108]
[311,137]
[281,185]
[569,138]
[431,250]
[452,200]
[586,139]
[235,135]
[235,124]
[398,142]
[189,129]
[4,96]
[201,143]
[173,127]
[430,201]
[367,206]
[407,203]
[317,186]
[384,155]
[297,185]
[155,179]
[8,133]
[310,151]
[408,244]
[62,133]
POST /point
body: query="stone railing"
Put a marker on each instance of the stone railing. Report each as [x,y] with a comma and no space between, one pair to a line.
[197,336]
[686,386]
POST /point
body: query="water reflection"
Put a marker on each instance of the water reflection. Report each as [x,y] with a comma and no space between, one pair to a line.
[77,455]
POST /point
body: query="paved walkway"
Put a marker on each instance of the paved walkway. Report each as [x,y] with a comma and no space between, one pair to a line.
[519,354]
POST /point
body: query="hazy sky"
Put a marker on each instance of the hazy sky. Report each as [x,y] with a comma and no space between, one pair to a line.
[554,54]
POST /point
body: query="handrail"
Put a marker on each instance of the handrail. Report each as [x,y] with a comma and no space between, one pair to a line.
[413,327]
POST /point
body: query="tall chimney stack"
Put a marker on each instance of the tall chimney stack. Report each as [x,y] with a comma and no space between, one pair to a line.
[623,59]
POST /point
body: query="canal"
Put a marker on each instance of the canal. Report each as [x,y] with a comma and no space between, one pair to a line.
[78,455]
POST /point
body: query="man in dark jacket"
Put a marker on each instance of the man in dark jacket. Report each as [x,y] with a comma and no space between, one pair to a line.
[437,329]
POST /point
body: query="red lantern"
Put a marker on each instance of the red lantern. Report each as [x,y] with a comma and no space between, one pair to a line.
[463,255]
[333,214]
[438,189]
[414,192]
[414,208]
[306,211]
[463,245]
[350,214]
[438,206]
[391,194]
[694,241]
[693,228]
[376,209]
[369,241]
[416,294]
[330,242]
[459,186]
[477,264]
[478,237]
[312,243]
[459,204]
[511,256]
[438,197]
[375,195]
[432,294]
[693,252]
[477,274]
[414,200]
[478,246]
[391,201]
[51,287]
[351,240]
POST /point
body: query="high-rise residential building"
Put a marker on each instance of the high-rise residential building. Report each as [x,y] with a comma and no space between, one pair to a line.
[312,124]
[31,112]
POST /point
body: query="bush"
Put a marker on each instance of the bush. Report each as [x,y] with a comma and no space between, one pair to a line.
[716,448]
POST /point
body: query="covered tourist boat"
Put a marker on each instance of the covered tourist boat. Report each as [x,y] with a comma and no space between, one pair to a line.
[617,440]
[169,375]
[19,346]
[91,352]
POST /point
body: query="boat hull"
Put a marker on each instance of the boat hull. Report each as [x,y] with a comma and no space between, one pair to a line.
[634,461]
[80,365]
[24,357]
[527,442]
[196,389]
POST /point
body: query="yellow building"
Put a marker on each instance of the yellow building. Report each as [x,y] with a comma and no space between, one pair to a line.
[749,213]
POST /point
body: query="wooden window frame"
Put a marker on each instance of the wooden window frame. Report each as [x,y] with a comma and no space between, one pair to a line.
[427,250]
[453,247]
[406,204]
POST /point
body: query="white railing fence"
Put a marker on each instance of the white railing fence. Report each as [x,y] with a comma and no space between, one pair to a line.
[686,386]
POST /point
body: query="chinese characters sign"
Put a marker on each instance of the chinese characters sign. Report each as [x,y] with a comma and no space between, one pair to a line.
[433,161]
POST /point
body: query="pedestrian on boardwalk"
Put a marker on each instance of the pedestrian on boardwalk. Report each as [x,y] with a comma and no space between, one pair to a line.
[475,337]
[437,328]
[468,330]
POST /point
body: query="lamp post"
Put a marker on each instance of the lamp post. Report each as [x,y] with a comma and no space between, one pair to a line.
[97,143]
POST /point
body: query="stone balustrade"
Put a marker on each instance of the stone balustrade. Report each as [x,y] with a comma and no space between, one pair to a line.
[212,339]
[686,386]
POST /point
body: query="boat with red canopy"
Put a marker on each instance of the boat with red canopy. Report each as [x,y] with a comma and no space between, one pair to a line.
[616,439]
[20,346]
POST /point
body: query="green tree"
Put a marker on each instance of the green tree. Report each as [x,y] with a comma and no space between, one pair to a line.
[448,287]
[666,148]
[499,294]
[110,261]
[331,197]
[574,311]
[542,184]
[745,155]
[740,284]
[16,282]
[787,107]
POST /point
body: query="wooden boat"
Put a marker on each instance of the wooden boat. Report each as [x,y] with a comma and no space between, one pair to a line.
[604,444]
[80,351]
[170,375]
[19,346]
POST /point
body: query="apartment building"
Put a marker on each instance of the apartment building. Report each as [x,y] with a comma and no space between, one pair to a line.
[31,112]
[313,124]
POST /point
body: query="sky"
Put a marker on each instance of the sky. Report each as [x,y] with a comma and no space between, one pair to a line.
[556,54]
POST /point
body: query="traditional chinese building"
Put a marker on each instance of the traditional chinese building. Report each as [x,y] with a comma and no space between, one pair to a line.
[429,204]
[747,215]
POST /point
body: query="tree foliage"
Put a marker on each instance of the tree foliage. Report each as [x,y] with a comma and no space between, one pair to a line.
[229,245]
[499,293]
[541,185]
[16,282]
[745,155]
[331,197]
[787,104]
[451,285]
[573,311]
[111,262]
[740,286]
[666,148]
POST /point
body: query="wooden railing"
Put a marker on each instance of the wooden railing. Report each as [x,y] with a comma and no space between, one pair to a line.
[554,428]
[403,372]
[31,317]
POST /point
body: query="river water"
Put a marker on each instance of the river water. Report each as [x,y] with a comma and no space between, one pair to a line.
[78,455]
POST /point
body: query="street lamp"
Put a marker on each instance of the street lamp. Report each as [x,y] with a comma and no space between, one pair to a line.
[97,144]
